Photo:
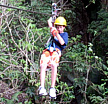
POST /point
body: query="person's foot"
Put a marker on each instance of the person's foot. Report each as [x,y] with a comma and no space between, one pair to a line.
[42,91]
[52,92]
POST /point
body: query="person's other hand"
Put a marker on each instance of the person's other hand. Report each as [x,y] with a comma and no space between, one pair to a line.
[54,31]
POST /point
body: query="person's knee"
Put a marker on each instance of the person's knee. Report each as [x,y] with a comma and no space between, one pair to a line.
[44,65]
[54,65]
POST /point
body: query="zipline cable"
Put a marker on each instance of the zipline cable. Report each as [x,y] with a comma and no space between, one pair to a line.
[24,10]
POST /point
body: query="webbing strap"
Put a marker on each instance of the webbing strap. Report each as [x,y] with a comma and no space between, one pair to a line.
[54,46]
[51,44]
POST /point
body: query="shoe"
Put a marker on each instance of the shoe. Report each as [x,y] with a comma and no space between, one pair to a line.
[52,93]
[42,91]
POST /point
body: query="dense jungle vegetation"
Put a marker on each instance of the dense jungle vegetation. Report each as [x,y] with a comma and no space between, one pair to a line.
[83,72]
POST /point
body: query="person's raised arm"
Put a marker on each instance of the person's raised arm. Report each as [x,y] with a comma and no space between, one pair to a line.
[50,24]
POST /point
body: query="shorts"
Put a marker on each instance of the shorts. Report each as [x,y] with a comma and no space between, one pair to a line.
[50,58]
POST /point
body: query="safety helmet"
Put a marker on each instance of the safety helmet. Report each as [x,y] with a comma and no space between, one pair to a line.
[60,21]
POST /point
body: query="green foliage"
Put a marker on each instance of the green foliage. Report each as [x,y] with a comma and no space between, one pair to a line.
[13,100]
[22,40]
[98,93]
[81,62]
[21,43]
[66,92]
[14,97]
[79,55]
[100,28]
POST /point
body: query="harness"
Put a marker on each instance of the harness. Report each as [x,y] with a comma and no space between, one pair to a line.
[50,45]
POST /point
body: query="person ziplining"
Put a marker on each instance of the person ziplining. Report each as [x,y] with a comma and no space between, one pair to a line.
[51,55]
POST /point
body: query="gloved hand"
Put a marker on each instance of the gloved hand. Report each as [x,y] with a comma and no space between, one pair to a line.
[53,31]
[50,19]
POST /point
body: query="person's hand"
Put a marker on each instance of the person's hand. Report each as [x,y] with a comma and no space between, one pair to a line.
[53,31]
[50,19]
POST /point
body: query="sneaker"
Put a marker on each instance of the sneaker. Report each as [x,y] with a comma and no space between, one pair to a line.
[42,91]
[52,93]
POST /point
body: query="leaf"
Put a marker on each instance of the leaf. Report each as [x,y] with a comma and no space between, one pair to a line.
[101,88]
[93,1]
[14,97]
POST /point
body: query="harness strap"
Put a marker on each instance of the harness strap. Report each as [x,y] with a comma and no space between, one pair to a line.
[51,45]
[54,41]
[51,52]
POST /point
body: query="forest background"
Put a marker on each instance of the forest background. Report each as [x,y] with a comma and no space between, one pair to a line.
[83,72]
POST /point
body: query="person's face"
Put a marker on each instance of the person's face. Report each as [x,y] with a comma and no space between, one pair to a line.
[60,28]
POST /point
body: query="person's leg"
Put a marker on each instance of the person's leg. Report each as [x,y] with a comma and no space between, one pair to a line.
[54,63]
[42,74]
[42,90]
[53,75]
[52,91]
[43,65]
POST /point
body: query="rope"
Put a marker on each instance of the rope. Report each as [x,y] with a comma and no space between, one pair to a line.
[24,10]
